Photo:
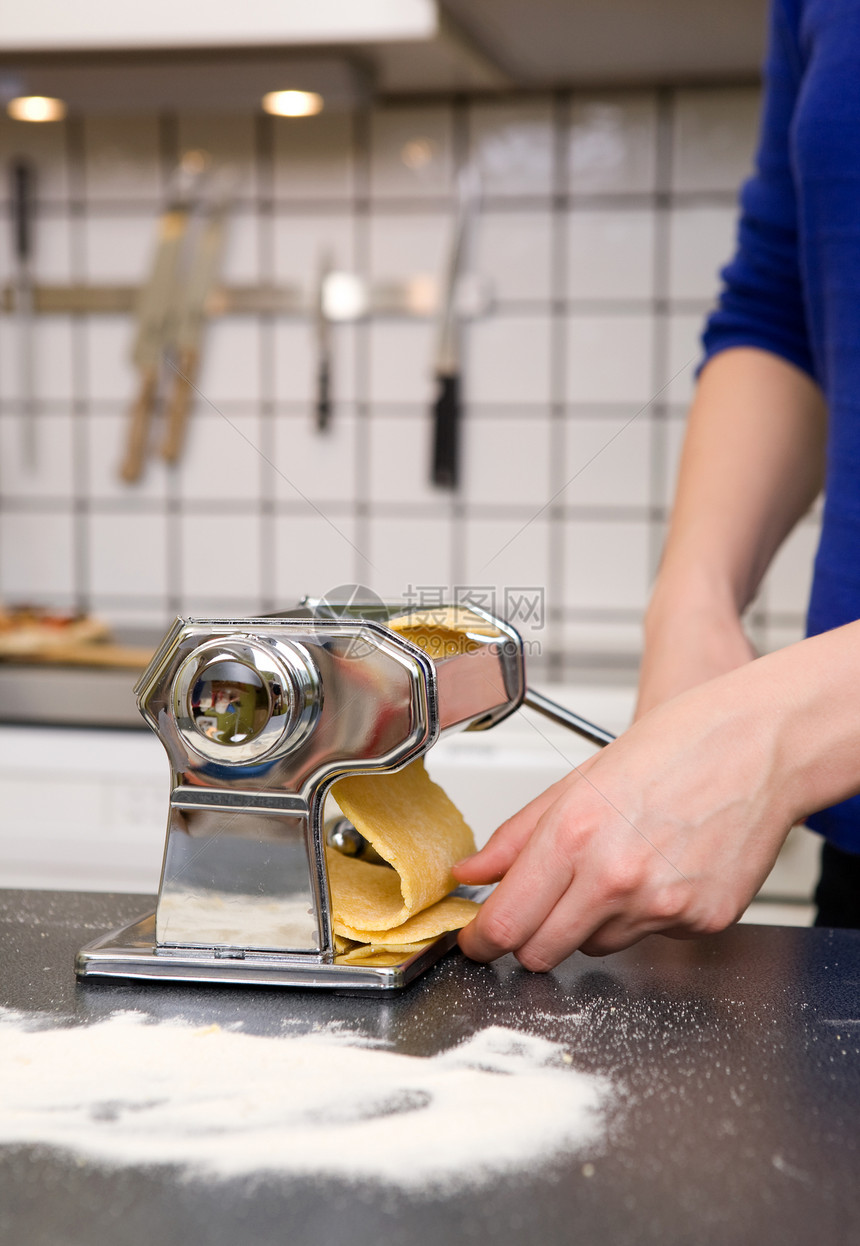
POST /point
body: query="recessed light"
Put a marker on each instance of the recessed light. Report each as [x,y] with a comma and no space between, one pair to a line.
[418,152]
[292,103]
[36,108]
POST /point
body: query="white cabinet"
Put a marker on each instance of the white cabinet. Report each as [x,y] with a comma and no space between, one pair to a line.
[82,809]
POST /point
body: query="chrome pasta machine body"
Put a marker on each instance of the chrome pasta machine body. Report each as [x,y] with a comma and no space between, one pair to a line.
[259,717]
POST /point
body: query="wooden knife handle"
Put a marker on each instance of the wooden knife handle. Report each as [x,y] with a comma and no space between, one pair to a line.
[179,409]
[446,433]
[140,415]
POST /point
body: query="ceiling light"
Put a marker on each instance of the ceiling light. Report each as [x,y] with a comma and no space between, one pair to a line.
[418,152]
[36,108]
[292,103]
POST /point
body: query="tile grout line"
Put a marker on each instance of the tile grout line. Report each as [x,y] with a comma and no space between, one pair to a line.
[558,534]
[661,277]
[462,150]
[269,551]
[169,153]
[361,147]
[81,503]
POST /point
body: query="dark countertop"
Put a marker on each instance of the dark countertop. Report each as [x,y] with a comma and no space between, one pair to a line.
[737,1061]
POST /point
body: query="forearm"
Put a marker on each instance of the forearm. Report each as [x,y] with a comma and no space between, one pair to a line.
[812,691]
[752,464]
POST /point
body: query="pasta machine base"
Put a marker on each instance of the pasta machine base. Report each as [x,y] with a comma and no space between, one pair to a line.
[132,952]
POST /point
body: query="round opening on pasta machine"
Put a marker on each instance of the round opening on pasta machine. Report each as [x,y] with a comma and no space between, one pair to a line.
[229,702]
[236,699]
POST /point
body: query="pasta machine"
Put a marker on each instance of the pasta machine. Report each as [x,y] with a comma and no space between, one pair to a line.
[259,717]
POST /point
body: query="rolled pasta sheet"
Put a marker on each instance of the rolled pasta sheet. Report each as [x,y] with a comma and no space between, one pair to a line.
[412,824]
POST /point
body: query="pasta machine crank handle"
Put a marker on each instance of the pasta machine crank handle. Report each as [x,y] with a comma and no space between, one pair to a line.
[558,714]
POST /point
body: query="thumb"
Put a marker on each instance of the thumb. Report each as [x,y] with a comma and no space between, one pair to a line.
[505,844]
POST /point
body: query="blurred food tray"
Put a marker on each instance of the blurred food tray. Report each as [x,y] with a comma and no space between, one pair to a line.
[84,686]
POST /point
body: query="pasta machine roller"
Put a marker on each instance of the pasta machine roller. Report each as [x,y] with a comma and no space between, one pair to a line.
[259,717]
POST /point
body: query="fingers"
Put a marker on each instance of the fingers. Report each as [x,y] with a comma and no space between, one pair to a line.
[569,924]
[585,918]
[583,879]
[617,897]
[576,926]
[529,891]
[504,846]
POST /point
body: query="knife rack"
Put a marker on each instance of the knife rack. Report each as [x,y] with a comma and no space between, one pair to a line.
[346,297]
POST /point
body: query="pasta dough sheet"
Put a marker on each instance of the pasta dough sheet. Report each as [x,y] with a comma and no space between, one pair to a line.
[445,632]
[459,619]
[412,824]
[449,913]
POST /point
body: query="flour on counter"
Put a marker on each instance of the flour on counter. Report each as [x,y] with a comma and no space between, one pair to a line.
[223,1103]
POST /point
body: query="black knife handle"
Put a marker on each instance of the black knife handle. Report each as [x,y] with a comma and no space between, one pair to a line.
[323,409]
[23,183]
[446,433]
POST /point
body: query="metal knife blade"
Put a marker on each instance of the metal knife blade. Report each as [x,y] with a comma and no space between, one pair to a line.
[22,178]
[447,405]
[323,331]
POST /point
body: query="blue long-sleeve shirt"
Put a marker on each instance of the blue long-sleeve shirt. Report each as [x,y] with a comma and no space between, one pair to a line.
[793,287]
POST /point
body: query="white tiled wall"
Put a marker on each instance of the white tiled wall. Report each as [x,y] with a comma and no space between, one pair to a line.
[604,220]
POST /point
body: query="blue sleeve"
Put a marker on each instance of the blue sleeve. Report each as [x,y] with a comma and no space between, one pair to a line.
[762,303]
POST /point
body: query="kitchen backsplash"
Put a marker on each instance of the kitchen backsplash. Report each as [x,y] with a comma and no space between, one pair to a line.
[603,222]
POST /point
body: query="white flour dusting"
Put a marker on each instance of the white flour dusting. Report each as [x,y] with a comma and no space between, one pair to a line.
[223,1103]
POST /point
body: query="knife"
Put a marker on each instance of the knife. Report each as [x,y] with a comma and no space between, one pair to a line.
[22,176]
[187,330]
[153,318]
[447,406]
[322,326]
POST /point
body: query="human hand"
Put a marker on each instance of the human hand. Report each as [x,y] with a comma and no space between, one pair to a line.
[671,828]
